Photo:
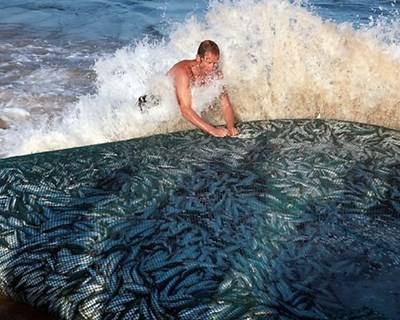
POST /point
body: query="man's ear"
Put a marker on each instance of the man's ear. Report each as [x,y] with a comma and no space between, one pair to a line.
[198,59]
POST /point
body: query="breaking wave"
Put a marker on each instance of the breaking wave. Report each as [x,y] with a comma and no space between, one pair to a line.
[280,60]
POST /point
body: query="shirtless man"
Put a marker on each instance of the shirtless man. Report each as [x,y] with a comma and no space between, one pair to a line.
[197,72]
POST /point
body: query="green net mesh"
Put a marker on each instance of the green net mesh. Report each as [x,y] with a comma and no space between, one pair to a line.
[290,220]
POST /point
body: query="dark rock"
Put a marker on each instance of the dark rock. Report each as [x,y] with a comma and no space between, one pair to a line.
[17,311]
[3,124]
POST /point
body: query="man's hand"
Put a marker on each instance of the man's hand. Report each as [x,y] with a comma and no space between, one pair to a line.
[219,132]
[233,132]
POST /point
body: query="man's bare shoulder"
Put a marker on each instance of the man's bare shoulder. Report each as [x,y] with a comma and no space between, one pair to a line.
[181,69]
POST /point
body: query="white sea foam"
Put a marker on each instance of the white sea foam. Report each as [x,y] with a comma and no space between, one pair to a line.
[279,61]
[16,114]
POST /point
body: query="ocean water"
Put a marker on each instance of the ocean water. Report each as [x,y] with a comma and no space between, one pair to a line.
[71,71]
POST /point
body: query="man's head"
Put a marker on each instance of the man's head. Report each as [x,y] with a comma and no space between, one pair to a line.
[208,56]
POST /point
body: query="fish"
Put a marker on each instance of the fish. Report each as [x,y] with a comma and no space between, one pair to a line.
[185,225]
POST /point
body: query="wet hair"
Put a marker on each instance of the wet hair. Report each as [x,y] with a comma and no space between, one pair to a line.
[207,46]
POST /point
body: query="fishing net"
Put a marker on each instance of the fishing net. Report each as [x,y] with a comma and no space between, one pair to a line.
[290,220]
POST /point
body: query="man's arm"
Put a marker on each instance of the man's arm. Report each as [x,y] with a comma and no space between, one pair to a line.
[229,115]
[184,96]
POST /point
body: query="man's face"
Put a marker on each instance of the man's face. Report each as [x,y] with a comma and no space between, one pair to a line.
[209,63]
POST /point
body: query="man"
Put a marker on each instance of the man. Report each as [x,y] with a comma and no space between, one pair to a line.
[198,72]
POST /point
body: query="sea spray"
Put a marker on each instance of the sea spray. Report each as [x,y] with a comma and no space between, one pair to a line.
[280,60]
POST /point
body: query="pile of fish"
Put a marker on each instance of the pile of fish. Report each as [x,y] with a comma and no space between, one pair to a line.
[272,224]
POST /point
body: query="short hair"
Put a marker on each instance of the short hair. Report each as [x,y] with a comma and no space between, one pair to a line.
[207,46]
